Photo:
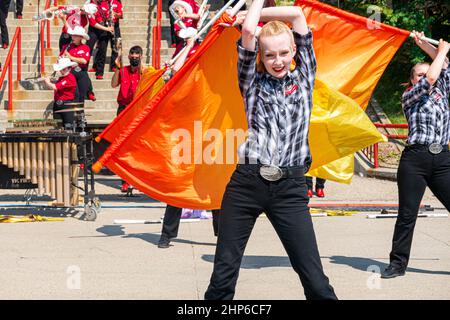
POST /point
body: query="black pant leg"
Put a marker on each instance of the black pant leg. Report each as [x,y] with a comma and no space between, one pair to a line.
[215,218]
[412,175]
[309,182]
[289,214]
[93,38]
[64,39]
[84,84]
[114,53]
[19,7]
[440,180]
[241,205]
[100,57]
[4,6]
[171,221]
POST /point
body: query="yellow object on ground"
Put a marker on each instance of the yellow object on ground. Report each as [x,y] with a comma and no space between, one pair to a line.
[27,218]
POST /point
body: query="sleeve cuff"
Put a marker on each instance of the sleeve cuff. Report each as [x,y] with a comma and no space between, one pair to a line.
[303,40]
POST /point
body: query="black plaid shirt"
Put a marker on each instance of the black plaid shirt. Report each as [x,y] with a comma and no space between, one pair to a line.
[278,110]
[427,110]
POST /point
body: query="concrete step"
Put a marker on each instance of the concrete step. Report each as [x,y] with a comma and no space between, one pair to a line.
[23,106]
[54,43]
[56,30]
[139,13]
[131,21]
[47,95]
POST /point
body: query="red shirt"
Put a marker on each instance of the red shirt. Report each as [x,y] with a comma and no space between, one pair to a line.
[65,88]
[128,84]
[74,18]
[194,5]
[80,51]
[102,6]
[116,8]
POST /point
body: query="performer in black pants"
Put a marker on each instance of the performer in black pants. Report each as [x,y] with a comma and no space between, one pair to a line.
[100,33]
[19,9]
[276,155]
[4,6]
[320,186]
[426,159]
[171,223]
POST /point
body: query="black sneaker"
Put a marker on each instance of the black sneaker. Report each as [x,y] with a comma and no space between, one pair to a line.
[392,272]
[164,243]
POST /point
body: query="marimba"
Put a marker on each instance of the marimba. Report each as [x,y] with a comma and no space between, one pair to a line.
[49,161]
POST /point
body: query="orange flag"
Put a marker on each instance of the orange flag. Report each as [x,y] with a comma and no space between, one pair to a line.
[167,150]
[180,148]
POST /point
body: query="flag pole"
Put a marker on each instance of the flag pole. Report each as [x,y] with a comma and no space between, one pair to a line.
[429,40]
[213,20]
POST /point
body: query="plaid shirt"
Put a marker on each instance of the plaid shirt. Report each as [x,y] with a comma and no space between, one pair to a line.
[427,110]
[278,110]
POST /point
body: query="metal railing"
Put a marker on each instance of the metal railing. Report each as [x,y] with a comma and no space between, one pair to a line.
[8,66]
[372,152]
[156,39]
[45,26]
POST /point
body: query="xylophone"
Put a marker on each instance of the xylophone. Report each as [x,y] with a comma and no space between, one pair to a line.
[36,154]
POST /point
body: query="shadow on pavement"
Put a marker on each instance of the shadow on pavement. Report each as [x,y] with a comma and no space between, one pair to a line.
[153,238]
[363,264]
[44,212]
[257,262]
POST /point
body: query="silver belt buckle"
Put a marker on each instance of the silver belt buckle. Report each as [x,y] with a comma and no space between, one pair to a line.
[271,172]
[435,148]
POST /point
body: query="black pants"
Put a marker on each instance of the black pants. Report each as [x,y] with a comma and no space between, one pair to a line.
[418,169]
[4,6]
[101,38]
[19,7]
[64,39]
[114,53]
[172,218]
[84,84]
[320,183]
[69,119]
[285,203]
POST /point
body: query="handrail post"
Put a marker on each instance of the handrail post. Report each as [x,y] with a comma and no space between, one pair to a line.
[10,87]
[19,55]
[375,155]
[42,48]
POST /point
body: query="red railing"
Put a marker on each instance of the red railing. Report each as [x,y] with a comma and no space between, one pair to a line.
[8,66]
[156,45]
[372,153]
[45,26]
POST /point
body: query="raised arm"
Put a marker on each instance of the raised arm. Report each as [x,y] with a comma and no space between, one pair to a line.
[438,63]
[250,24]
[291,14]
[427,47]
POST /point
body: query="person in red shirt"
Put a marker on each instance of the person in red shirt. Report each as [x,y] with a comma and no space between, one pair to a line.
[127,77]
[187,10]
[64,90]
[101,36]
[72,17]
[80,53]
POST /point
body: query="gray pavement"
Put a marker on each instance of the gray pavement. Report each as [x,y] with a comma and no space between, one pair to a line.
[76,259]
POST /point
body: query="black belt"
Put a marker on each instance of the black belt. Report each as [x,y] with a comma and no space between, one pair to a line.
[275,173]
[434,148]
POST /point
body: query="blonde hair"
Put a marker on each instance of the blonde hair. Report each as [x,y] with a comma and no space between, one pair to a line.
[272,28]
